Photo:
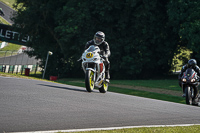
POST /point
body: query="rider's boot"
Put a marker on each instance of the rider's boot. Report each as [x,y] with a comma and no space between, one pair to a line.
[183,93]
[107,76]
[195,101]
[107,68]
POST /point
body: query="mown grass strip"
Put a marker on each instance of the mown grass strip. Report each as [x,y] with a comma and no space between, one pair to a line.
[11,47]
[147,94]
[3,21]
[169,84]
[158,96]
[177,129]
[36,76]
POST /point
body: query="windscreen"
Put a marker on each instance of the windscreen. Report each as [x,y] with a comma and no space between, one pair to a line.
[189,72]
[92,48]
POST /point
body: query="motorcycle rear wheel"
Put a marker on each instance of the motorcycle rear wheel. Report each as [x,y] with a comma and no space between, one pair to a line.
[104,87]
[188,97]
[89,82]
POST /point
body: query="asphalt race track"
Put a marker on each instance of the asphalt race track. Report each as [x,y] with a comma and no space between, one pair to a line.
[7,12]
[32,105]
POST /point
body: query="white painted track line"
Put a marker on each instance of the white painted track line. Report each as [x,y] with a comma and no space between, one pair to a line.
[109,128]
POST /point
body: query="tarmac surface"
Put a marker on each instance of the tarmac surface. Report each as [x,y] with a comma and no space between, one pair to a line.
[33,105]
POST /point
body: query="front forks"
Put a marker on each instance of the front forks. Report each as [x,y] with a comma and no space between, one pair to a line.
[95,71]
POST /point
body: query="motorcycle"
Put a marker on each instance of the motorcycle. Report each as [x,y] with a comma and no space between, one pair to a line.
[1,13]
[190,82]
[94,69]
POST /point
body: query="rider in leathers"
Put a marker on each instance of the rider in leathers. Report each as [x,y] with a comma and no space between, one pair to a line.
[192,63]
[99,40]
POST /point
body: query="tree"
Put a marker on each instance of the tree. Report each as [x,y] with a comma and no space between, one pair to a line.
[185,19]
[138,33]
[36,18]
[142,41]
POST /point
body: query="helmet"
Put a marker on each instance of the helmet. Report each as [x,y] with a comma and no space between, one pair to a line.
[99,37]
[192,63]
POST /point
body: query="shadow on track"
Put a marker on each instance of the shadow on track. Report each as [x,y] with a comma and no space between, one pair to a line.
[65,88]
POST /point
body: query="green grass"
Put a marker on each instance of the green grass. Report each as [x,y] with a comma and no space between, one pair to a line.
[3,21]
[8,2]
[37,76]
[168,85]
[178,129]
[163,84]
[10,49]
[158,96]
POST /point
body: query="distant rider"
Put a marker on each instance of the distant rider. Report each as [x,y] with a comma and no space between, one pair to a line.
[1,12]
[192,63]
[99,40]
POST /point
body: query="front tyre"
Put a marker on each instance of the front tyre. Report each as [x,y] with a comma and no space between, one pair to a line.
[89,80]
[188,97]
[104,87]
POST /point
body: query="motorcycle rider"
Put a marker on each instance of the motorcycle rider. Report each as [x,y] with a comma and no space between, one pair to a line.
[192,63]
[99,40]
[1,12]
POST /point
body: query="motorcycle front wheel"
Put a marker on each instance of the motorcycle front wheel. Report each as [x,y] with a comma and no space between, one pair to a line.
[188,97]
[89,82]
[104,87]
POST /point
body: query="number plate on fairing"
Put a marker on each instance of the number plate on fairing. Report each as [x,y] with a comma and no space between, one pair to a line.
[89,55]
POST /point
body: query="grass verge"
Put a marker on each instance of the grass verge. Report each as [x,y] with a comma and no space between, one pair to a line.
[169,84]
[3,21]
[36,76]
[8,2]
[178,129]
[148,83]
[147,94]
[10,49]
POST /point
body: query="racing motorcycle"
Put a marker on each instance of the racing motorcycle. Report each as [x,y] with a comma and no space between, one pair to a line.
[1,13]
[94,69]
[190,82]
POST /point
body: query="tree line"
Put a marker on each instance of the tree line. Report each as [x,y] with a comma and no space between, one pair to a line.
[143,35]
